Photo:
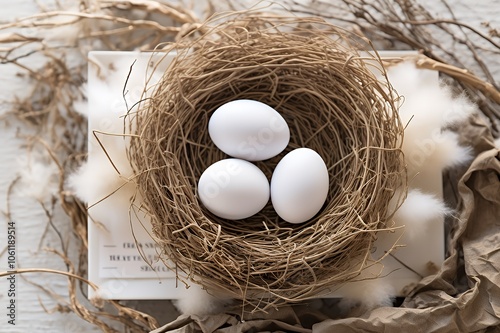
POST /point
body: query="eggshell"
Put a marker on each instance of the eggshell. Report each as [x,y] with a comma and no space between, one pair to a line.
[299,185]
[249,130]
[233,189]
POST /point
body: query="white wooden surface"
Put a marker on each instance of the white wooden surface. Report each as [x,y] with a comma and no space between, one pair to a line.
[30,218]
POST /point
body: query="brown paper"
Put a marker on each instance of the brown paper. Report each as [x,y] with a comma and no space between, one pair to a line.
[439,303]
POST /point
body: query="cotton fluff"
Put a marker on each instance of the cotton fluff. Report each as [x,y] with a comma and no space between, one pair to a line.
[417,212]
[428,108]
[96,179]
[38,179]
[368,291]
[197,301]
[97,183]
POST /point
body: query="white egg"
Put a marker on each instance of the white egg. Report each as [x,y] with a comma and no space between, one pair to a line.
[249,130]
[299,185]
[233,189]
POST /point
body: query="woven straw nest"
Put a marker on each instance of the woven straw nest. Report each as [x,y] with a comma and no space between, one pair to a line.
[311,73]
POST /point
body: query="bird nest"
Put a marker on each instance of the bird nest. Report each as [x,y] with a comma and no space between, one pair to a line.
[312,74]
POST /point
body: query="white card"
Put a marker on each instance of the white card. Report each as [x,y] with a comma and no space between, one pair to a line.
[123,257]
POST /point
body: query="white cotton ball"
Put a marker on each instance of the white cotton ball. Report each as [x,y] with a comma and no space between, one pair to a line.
[38,180]
[459,110]
[96,179]
[368,294]
[107,194]
[438,152]
[197,301]
[83,182]
[418,212]
[368,291]
[106,190]
[428,105]
[428,108]
[448,152]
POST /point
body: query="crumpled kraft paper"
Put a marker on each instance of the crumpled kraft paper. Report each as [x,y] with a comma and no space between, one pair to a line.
[439,303]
